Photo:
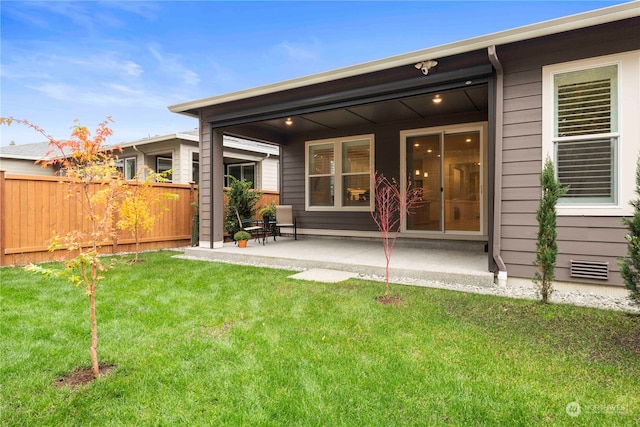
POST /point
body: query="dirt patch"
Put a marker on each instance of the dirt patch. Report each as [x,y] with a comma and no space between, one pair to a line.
[630,341]
[82,376]
[390,299]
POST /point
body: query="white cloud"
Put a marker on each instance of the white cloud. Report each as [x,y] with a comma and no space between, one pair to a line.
[104,95]
[298,52]
[82,14]
[109,62]
[172,65]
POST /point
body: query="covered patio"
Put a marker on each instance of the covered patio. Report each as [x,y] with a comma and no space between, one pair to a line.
[462,263]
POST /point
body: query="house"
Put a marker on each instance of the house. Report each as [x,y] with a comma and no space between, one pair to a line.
[250,160]
[20,159]
[254,161]
[470,122]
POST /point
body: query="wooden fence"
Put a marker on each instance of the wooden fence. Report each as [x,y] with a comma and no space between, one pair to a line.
[35,208]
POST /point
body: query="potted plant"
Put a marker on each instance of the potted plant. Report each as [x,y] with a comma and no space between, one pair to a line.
[268,211]
[241,237]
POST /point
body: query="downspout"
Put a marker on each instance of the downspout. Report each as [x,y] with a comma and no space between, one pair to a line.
[497,191]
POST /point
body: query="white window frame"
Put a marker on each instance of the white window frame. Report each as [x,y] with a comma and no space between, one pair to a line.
[482,129]
[165,158]
[122,163]
[337,143]
[628,129]
[254,183]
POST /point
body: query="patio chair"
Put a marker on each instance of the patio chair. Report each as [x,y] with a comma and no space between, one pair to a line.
[254,230]
[284,218]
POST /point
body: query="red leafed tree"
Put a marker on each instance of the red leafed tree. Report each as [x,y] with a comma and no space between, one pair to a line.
[391,206]
[94,186]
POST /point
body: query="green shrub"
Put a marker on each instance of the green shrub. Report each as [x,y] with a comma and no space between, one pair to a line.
[630,267]
[241,235]
[546,247]
[240,196]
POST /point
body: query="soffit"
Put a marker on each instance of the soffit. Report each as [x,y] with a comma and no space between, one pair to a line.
[459,101]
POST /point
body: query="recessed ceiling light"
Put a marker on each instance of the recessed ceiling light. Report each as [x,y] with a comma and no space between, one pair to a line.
[468,140]
[436,99]
[429,150]
[416,145]
[288,122]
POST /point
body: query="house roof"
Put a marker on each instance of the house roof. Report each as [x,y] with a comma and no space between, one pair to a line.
[568,23]
[35,151]
[192,136]
[187,135]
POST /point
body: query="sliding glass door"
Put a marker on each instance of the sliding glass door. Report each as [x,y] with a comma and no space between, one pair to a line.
[447,166]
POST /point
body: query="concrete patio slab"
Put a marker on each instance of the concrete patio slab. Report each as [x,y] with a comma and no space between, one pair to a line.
[363,257]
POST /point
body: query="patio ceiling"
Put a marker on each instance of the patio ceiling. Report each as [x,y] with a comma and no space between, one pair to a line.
[459,101]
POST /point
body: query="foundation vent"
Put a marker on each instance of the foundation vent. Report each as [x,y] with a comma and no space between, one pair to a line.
[596,270]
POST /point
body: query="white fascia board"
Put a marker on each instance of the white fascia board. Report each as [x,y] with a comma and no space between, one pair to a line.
[19,157]
[248,145]
[162,138]
[242,156]
[558,25]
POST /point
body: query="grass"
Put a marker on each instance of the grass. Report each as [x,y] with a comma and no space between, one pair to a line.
[199,343]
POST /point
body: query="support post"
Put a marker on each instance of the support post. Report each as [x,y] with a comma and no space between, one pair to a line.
[217,188]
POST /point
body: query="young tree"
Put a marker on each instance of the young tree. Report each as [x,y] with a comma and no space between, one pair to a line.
[391,206]
[93,184]
[547,247]
[137,199]
[630,267]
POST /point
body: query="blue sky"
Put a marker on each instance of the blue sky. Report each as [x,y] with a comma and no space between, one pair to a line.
[87,60]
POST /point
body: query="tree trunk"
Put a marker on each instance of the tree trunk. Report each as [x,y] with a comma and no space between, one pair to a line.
[137,246]
[94,334]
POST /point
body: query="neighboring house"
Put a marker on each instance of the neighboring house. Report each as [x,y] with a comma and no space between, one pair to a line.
[245,159]
[20,159]
[471,122]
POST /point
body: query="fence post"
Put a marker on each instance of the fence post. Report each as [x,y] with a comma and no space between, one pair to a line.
[3,240]
[194,227]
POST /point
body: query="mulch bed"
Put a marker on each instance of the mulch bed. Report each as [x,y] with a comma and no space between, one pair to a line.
[82,376]
[390,299]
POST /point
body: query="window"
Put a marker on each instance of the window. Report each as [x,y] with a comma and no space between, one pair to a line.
[591,130]
[164,164]
[245,171]
[586,133]
[127,167]
[338,173]
[195,167]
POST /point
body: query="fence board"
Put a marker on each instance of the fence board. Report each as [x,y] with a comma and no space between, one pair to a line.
[34,208]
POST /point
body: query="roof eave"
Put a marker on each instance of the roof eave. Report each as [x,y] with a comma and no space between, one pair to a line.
[161,138]
[558,25]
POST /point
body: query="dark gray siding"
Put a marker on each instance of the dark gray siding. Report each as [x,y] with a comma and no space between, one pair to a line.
[579,238]
[204,188]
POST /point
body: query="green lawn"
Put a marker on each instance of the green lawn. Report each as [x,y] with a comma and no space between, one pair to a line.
[199,343]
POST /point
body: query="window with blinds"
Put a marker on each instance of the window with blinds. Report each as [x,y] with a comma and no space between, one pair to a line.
[585,133]
[338,173]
